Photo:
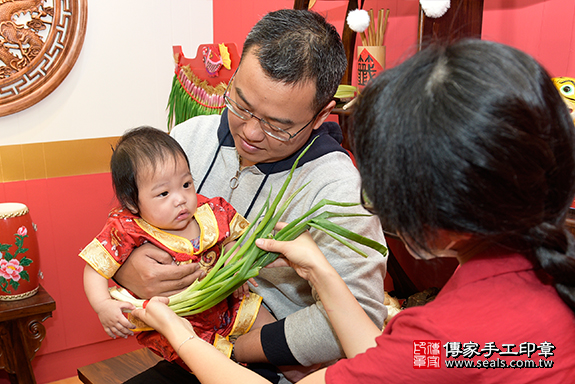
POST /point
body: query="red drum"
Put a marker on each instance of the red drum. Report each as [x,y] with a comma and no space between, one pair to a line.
[19,256]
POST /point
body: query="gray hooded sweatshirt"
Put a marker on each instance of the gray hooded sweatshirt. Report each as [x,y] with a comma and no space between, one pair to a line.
[303,334]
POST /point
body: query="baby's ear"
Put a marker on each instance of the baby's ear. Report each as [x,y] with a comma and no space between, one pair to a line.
[132,209]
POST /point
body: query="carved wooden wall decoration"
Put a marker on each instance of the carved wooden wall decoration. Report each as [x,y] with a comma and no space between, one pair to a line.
[40,41]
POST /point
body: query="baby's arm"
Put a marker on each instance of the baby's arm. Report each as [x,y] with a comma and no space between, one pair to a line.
[109,310]
[244,290]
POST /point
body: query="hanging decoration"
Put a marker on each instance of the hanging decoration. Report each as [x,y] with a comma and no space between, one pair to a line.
[435,8]
[199,84]
[371,54]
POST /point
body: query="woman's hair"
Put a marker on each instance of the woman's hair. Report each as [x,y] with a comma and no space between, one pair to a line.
[473,138]
[137,148]
[294,46]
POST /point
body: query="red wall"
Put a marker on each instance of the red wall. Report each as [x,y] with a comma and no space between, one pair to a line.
[69,211]
[233,20]
[543,28]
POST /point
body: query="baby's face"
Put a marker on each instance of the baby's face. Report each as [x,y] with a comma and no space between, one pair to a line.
[166,195]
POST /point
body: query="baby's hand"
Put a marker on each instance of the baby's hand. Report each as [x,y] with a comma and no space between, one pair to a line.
[112,319]
[244,290]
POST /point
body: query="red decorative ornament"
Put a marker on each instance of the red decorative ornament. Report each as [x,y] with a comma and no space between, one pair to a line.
[19,253]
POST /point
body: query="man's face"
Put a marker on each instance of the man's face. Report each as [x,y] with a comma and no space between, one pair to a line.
[285,106]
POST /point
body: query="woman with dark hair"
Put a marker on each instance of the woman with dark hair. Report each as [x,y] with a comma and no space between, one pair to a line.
[465,151]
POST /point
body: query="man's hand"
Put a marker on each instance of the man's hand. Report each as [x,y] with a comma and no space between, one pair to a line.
[150,271]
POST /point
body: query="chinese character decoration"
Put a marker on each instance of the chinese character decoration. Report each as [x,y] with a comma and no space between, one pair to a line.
[199,84]
[371,54]
[40,41]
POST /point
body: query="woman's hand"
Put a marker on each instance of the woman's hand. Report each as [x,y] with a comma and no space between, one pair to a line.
[159,316]
[302,254]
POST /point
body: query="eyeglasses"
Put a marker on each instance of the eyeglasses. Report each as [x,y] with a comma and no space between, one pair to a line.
[366,203]
[269,129]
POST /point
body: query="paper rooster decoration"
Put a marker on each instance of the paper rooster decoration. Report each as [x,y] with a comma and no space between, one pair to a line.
[566,87]
[199,84]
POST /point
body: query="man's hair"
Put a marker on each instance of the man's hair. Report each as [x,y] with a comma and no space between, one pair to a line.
[295,46]
[472,138]
[137,148]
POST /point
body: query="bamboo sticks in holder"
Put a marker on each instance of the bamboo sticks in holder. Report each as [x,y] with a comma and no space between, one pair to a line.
[371,53]
[375,35]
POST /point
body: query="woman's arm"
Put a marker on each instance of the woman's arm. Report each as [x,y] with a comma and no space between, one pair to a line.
[355,330]
[208,364]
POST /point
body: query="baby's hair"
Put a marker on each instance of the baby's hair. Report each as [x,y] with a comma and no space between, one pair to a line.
[142,146]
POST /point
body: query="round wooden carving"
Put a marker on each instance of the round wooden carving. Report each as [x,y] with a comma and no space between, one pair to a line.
[40,41]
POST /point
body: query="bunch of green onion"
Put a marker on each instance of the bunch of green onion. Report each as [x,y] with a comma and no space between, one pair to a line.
[224,278]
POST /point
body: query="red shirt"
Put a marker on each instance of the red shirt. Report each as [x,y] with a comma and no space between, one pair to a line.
[492,302]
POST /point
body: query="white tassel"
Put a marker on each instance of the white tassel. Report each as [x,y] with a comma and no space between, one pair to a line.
[435,8]
[358,20]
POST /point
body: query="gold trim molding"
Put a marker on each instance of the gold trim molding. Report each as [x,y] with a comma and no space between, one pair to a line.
[55,159]
[40,41]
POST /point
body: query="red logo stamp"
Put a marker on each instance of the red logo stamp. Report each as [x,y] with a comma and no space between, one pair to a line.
[426,354]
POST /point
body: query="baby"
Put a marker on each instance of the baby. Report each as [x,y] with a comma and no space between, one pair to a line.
[159,204]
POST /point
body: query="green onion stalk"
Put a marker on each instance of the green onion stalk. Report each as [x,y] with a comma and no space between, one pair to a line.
[225,277]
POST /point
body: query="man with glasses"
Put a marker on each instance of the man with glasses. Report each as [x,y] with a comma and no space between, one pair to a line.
[277,102]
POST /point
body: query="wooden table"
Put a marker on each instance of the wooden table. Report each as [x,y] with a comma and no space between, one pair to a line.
[118,369]
[22,332]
